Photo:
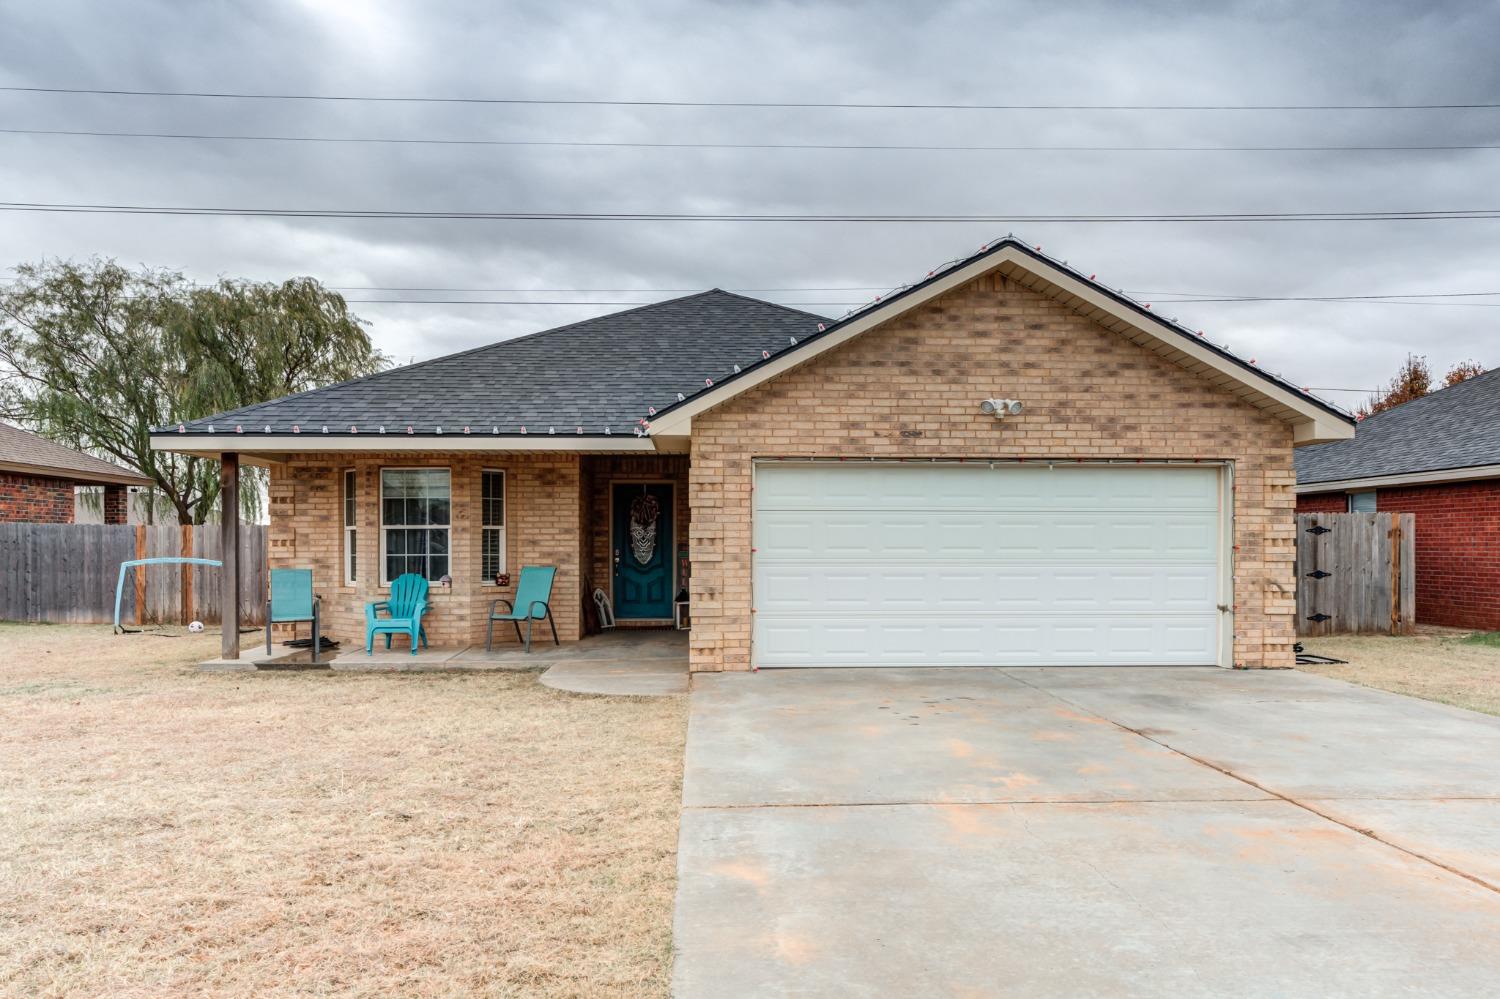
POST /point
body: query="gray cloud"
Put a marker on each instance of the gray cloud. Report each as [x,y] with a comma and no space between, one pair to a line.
[962,52]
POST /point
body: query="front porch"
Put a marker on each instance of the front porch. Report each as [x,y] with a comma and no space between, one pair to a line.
[470,522]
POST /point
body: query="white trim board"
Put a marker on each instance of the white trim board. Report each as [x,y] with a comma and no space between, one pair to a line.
[1311,423]
[1401,479]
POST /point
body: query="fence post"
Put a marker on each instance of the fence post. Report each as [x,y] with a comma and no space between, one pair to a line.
[185,549]
[140,576]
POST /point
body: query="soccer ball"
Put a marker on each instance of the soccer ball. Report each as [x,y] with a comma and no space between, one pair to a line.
[195,627]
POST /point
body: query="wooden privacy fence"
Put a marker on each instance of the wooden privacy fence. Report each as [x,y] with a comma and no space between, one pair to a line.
[66,573]
[1356,572]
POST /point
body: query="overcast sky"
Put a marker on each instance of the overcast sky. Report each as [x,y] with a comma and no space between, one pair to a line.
[988,53]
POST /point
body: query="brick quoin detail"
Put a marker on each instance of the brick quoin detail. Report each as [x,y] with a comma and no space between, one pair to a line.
[911,389]
[35,499]
[1323,503]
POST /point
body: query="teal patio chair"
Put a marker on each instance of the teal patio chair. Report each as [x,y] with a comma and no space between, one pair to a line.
[292,601]
[533,592]
[404,611]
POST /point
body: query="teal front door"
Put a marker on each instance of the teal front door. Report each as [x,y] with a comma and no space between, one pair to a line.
[641,550]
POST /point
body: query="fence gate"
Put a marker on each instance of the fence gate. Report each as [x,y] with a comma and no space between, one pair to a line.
[1356,573]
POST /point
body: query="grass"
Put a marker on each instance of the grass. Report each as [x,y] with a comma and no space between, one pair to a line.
[170,832]
[1445,665]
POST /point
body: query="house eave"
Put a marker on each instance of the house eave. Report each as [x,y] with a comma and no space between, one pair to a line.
[81,478]
[1429,478]
[280,447]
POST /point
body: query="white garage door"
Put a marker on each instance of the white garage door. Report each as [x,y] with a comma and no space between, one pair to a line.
[964,564]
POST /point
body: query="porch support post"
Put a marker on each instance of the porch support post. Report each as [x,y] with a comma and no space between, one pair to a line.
[229,537]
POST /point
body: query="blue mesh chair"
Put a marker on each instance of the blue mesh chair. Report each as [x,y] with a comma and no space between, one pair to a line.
[291,601]
[534,593]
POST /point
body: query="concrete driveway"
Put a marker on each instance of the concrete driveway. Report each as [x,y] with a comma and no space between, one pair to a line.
[1112,832]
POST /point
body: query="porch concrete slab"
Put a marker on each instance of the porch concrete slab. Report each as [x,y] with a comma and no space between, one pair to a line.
[636,644]
[253,657]
[1307,736]
[789,737]
[1254,898]
[640,677]
[396,657]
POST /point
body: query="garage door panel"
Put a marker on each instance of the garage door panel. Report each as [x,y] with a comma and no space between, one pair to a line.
[941,589]
[995,535]
[971,564]
[995,640]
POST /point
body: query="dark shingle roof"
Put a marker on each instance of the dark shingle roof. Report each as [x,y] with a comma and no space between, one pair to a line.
[599,374]
[23,451]
[1456,427]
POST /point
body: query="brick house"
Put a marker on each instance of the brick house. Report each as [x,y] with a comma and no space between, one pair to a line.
[1003,463]
[1437,457]
[38,480]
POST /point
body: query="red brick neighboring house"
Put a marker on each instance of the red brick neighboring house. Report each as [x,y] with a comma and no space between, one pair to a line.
[38,476]
[1437,457]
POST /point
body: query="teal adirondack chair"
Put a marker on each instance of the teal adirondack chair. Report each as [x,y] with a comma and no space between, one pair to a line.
[292,601]
[405,608]
[533,592]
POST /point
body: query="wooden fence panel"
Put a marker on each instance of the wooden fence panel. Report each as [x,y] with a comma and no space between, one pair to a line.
[66,573]
[1356,573]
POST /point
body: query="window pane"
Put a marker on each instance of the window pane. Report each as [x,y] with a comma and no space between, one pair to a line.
[493,505]
[1362,502]
[392,511]
[437,511]
[437,542]
[490,563]
[438,567]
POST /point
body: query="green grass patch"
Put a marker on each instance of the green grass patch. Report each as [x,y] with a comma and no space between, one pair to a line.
[1489,638]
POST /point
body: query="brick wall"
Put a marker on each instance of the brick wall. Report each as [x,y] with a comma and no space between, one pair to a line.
[1458,550]
[35,499]
[116,505]
[1089,393]
[1323,503]
[543,527]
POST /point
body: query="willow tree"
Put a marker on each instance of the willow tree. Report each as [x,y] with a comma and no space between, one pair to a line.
[94,355]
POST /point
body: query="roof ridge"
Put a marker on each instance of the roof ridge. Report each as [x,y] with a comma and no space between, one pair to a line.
[774,305]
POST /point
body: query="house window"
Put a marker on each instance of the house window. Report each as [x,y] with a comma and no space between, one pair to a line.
[351,535]
[1362,502]
[415,518]
[492,514]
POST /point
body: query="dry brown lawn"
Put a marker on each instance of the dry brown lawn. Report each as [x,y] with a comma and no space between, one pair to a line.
[168,832]
[1439,664]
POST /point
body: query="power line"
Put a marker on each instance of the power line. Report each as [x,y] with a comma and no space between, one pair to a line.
[811,105]
[541,216]
[1204,296]
[802,146]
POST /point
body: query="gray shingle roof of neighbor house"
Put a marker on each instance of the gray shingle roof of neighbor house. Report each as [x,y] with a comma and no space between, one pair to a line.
[599,374]
[31,454]
[1454,428]
[606,375]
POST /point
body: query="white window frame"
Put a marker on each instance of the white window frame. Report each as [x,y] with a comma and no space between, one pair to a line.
[1349,503]
[384,581]
[349,491]
[500,529]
